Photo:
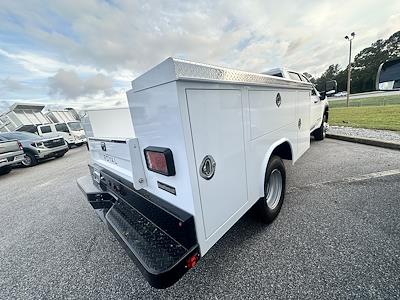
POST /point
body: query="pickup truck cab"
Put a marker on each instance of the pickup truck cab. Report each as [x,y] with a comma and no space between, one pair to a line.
[37,148]
[319,107]
[72,132]
[11,153]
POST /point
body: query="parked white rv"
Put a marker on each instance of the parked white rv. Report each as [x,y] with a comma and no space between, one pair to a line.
[208,145]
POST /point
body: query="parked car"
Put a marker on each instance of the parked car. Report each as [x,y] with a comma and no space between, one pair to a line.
[340,94]
[11,153]
[37,148]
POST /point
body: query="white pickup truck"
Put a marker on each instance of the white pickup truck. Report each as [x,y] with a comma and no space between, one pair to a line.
[72,132]
[319,106]
[11,153]
[207,146]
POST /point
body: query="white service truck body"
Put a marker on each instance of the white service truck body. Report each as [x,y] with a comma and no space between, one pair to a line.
[208,146]
[319,105]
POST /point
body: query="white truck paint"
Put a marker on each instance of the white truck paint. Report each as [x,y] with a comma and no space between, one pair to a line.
[319,104]
[23,117]
[67,124]
[72,132]
[204,114]
[112,122]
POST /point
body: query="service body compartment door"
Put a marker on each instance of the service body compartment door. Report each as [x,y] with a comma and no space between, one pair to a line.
[303,114]
[218,139]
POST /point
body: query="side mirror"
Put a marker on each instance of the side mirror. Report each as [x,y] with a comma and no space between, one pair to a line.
[322,96]
[388,76]
[331,87]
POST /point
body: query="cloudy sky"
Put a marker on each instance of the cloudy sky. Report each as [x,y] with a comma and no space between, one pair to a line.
[84,53]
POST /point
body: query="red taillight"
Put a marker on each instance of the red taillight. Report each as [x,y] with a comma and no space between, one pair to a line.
[160,160]
[192,261]
[157,161]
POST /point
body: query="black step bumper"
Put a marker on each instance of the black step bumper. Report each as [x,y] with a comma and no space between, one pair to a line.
[159,238]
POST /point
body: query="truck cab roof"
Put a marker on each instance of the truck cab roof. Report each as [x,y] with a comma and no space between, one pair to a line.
[286,73]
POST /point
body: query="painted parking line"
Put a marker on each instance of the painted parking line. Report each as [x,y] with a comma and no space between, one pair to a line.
[348,179]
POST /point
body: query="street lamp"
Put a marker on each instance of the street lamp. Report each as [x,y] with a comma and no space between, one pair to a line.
[349,67]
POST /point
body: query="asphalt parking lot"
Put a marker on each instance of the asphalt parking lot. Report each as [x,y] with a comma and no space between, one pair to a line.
[338,236]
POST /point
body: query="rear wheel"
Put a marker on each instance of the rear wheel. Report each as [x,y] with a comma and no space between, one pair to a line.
[270,205]
[319,134]
[29,160]
[5,170]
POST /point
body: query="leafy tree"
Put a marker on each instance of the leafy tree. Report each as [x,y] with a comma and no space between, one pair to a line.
[364,67]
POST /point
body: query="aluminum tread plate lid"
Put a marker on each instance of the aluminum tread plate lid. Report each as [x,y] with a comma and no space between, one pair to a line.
[176,69]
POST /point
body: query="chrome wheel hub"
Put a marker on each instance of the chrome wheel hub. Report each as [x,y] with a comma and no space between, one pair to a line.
[274,189]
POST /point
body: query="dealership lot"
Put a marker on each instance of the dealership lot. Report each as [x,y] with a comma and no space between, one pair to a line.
[338,236]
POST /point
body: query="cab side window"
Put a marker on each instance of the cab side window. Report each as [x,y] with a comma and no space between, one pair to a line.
[45,129]
[313,92]
[62,128]
[294,76]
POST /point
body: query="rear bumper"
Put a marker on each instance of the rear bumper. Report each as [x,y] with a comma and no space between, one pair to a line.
[11,160]
[160,240]
[79,141]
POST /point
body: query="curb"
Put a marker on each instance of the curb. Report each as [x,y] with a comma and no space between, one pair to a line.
[366,141]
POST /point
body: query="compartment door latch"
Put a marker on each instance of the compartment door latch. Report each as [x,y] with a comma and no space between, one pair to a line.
[207,167]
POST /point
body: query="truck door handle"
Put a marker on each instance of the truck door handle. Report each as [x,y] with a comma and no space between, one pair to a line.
[207,167]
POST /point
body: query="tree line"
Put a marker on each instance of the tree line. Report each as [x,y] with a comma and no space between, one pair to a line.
[364,67]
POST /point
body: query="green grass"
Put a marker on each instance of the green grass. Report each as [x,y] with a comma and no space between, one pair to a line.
[371,101]
[374,117]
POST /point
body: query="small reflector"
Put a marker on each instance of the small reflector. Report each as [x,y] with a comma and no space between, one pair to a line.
[160,160]
[192,261]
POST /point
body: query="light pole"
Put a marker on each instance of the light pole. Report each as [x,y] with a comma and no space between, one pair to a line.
[349,67]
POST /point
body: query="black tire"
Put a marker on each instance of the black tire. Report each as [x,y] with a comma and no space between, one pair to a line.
[319,134]
[69,146]
[5,170]
[30,160]
[268,212]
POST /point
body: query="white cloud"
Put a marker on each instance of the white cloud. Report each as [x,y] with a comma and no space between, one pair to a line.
[11,84]
[69,85]
[123,38]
